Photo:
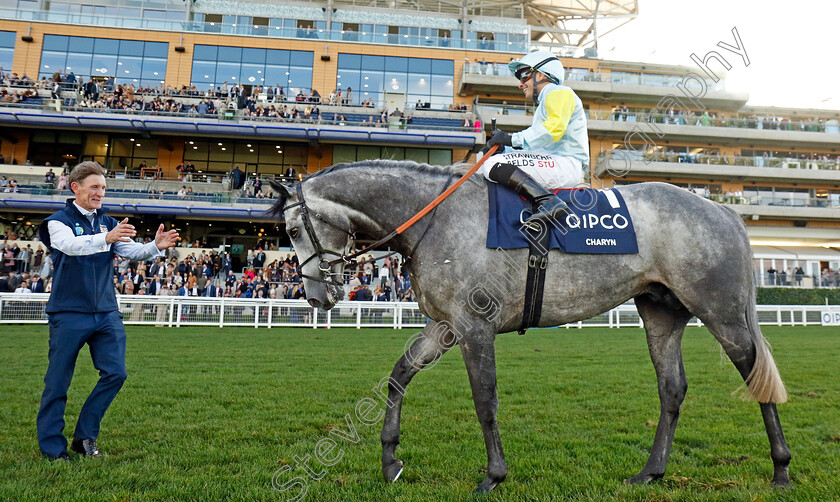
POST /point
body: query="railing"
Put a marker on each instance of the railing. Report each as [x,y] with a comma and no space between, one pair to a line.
[176,311]
[734,160]
[324,118]
[265,31]
[580,75]
[118,196]
[830,126]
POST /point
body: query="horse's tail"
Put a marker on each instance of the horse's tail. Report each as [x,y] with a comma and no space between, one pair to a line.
[764,384]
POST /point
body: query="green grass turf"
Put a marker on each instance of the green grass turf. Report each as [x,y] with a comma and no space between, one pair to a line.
[211,414]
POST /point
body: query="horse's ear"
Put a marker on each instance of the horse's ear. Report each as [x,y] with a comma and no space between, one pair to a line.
[281,189]
[284,192]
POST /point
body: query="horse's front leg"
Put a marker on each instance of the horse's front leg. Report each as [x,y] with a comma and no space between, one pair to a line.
[433,342]
[480,358]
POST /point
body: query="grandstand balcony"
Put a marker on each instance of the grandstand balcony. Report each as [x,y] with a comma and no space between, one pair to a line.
[208,199]
[427,128]
[198,206]
[639,87]
[660,165]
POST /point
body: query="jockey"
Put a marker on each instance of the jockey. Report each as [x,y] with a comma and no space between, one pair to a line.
[556,146]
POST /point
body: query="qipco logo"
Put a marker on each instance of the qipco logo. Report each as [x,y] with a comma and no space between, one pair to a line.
[589,221]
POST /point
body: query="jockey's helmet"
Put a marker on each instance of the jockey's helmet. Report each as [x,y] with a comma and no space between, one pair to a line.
[544,62]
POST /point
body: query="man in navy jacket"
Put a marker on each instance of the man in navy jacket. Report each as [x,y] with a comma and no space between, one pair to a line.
[83,308]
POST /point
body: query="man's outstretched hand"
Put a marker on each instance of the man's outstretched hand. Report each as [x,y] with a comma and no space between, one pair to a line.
[123,232]
[166,239]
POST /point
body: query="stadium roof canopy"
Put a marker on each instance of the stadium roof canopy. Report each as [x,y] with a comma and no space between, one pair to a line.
[576,22]
[562,22]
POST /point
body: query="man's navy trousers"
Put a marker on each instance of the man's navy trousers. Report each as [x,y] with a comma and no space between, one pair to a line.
[69,332]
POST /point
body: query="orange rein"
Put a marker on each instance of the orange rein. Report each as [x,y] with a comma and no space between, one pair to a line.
[440,198]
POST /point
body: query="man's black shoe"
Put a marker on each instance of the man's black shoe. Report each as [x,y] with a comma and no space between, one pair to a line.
[86,447]
[64,457]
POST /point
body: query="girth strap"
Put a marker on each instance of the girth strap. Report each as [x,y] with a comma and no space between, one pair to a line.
[535,281]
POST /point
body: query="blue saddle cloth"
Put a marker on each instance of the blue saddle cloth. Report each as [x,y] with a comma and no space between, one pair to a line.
[599,223]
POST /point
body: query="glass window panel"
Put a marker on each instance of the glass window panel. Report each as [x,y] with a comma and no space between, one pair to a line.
[350,61]
[375,96]
[395,82]
[440,157]
[7,39]
[276,75]
[227,72]
[300,58]
[154,68]
[277,57]
[412,98]
[131,48]
[129,67]
[205,52]
[371,82]
[55,43]
[300,78]
[79,64]
[6,58]
[420,155]
[252,74]
[52,62]
[156,49]
[373,63]
[443,67]
[442,86]
[420,65]
[230,54]
[106,46]
[82,45]
[253,56]
[393,153]
[223,152]
[150,82]
[440,102]
[344,153]
[365,152]
[396,64]
[104,65]
[349,78]
[419,84]
[203,72]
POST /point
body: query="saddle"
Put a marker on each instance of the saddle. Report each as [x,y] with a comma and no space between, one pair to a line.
[599,223]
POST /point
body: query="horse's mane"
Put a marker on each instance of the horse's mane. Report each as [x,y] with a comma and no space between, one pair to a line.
[457,170]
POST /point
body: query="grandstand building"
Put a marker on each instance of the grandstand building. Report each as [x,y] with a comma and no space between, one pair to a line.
[283,89]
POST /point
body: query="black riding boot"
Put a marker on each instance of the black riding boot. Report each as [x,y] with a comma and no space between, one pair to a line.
[546,205]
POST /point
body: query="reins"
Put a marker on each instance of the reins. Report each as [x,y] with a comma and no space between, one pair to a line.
[325,266]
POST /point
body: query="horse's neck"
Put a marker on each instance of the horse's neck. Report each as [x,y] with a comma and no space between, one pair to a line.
[378,201]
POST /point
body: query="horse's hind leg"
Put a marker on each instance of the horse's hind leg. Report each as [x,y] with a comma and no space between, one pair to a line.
[664,326]
[433,342]
[749,353]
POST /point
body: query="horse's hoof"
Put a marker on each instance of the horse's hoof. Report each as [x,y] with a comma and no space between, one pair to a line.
[643,477]
[486,486]
[393,471]
[781,483]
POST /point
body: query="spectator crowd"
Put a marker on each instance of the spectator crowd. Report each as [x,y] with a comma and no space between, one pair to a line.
[206,274]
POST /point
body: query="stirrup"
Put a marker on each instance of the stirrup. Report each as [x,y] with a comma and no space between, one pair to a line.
[530,225]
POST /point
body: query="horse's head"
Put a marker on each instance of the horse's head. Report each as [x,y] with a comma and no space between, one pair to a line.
[321,236]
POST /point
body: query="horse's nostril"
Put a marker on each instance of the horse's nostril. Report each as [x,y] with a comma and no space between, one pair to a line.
[314,303]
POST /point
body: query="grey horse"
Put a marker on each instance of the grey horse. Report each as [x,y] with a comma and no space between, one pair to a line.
[694,260]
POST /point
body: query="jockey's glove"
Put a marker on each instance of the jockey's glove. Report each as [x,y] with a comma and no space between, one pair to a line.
[500,138]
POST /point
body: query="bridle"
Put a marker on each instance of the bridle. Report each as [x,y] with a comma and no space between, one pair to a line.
[324,265]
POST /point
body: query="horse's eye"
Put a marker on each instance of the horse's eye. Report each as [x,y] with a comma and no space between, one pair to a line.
[293,233]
